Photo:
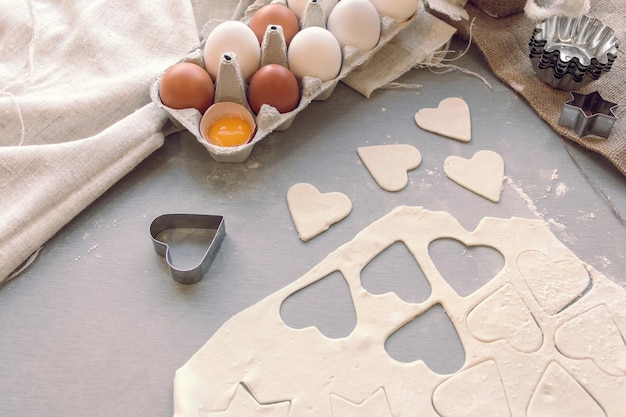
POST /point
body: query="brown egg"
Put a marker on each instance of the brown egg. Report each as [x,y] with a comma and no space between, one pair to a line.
[275,14]
[275,85]
[186,85]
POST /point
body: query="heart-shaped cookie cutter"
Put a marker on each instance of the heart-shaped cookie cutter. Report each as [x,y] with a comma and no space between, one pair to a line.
[167,222]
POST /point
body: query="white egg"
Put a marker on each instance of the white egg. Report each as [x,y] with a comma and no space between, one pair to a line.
[355,23]
[401,10]
[315,52]
[237,37]
[297,6]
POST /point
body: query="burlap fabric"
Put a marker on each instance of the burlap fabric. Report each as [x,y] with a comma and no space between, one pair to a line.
[420,41]
[500,8]
[504,43]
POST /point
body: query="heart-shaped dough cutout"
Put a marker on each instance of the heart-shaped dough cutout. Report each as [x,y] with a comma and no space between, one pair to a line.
[314,212]
[558,393]
[389,164]
[451,119]
[555,285]
[483,393]
[504,316]
[483,174]
[602,342]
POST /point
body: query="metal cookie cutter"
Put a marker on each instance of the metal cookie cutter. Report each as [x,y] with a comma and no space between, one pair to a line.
[168,222]
[588,114]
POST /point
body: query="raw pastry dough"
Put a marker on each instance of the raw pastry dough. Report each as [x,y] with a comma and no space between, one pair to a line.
[451,118]
[554,284]
[244,403]
[484,376]
[594,335]
[520,331]
[483,174]
[388,164]
[316,376]
[560,395]
[314,212]
[376,405]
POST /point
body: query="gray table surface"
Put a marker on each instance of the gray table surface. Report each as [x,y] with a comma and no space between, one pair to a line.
[96,326]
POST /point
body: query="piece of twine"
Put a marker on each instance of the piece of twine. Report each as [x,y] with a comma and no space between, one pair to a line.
[437,63]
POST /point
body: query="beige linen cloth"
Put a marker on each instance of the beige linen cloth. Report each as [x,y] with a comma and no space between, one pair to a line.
[75,110]
[504,43]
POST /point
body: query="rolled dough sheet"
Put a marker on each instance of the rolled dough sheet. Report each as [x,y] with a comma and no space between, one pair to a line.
[527,353]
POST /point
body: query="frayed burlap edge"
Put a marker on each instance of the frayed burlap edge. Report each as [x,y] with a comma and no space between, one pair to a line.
[504,43]
[500,8]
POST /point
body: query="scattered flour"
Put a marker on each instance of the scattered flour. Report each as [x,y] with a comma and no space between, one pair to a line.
[520,191]
[603,260]
[555,175]
[555,223]
[253,164]
[562,189]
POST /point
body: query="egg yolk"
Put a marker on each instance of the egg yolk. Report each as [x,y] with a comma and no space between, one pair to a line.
[229,131]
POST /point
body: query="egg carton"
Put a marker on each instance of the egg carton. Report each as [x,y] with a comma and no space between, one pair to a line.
[230,85]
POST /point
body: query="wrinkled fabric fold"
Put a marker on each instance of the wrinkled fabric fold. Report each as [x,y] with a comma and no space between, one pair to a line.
[75,110]
[76,173]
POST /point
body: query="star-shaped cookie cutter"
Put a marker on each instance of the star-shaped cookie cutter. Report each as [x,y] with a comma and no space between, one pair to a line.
[166,222]
[588,114]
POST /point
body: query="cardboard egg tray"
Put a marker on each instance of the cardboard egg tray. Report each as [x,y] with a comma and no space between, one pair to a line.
[230,85]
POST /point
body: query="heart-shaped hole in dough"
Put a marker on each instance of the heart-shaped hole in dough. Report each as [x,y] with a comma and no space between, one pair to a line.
[428,335]
[396,270]
[334,317]
[465,268]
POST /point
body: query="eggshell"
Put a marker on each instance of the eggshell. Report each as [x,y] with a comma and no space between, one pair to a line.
[269,119]
[400,10]
[315,52]
[221,110]
[298,6]
[275,14]
[232,36]
[185,86]
[355,23]
[275,85]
